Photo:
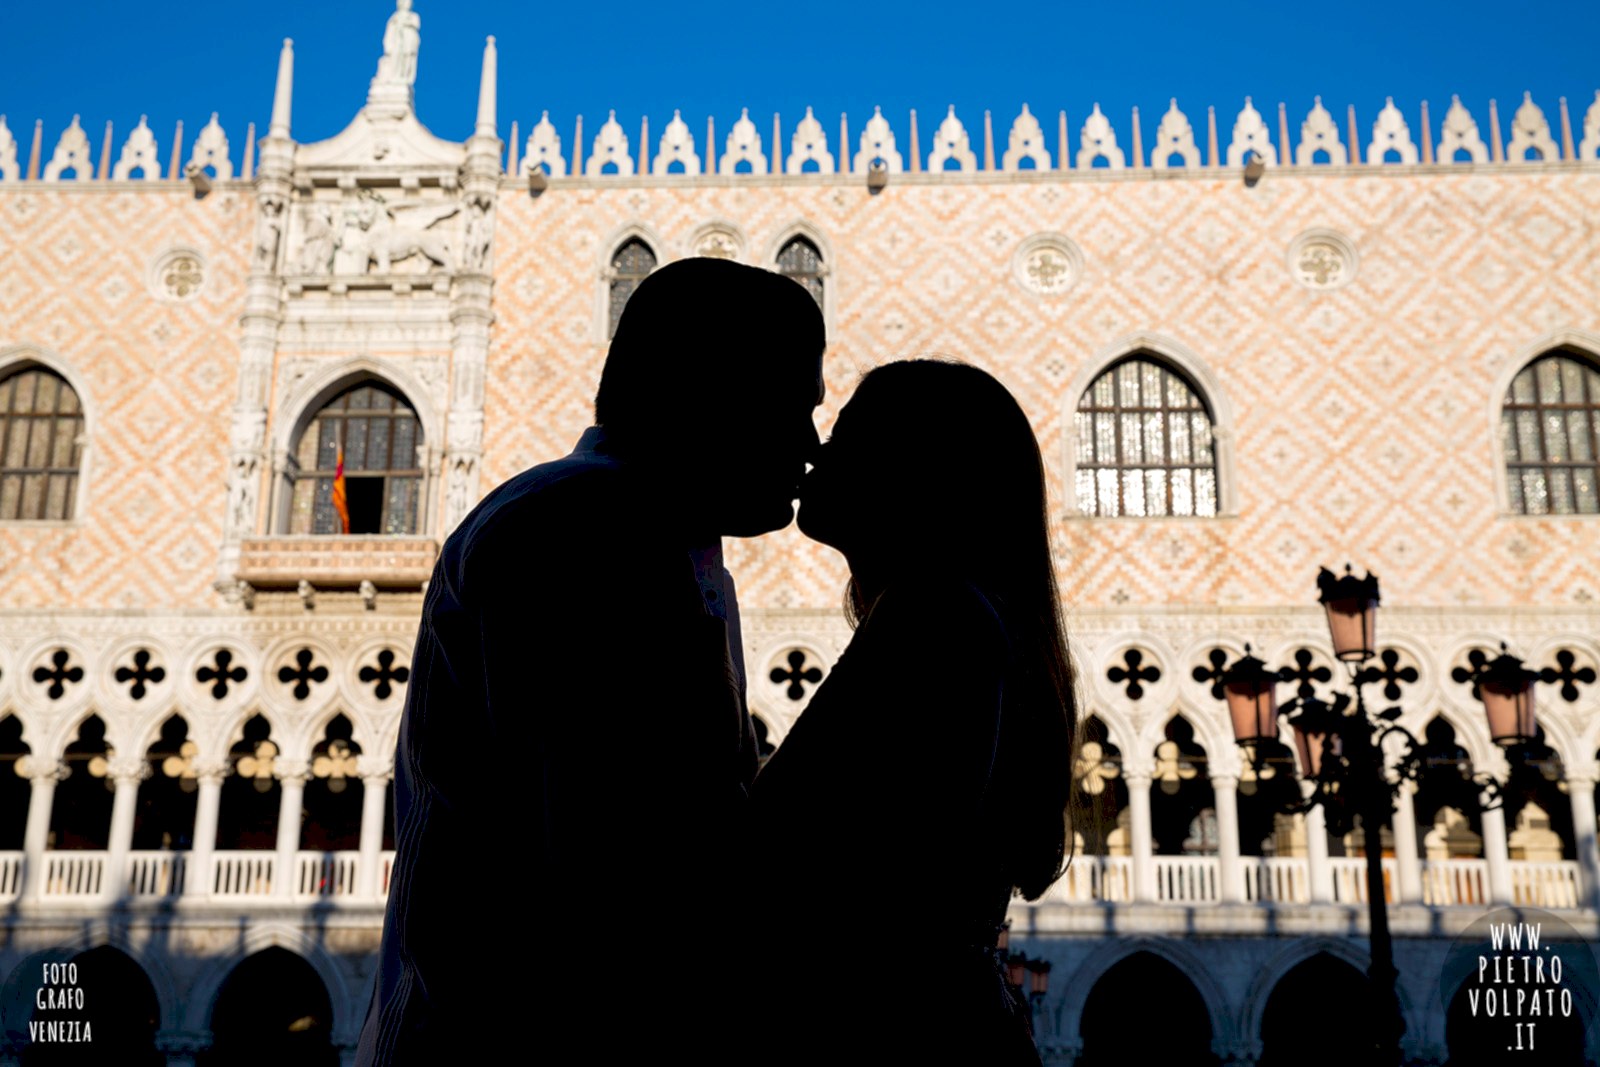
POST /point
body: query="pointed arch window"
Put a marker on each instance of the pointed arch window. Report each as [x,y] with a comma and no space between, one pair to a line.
[41,428]
[380,436]
[1145,444]
[1550,429]
[800,260]
[632,264]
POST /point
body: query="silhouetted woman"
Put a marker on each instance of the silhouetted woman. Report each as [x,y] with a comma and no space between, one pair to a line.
[928,779]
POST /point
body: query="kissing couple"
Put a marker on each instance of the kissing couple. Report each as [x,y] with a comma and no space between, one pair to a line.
[589,868]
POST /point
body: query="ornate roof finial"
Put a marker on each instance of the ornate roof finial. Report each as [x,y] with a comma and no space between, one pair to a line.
[486,86]
[284,91]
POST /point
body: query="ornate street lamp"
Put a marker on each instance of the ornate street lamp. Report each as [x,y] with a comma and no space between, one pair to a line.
[1506,689]
[1016,965]
[1019,969]
[1314,734]
[1343,753]
[1352,606]
[1252,699]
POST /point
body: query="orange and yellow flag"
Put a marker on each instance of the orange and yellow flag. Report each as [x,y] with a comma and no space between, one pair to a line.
[339,503]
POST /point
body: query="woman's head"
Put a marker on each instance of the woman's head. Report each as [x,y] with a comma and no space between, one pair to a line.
[933,469]
[931,463]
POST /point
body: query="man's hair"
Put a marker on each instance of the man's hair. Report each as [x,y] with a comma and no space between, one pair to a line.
[701,332]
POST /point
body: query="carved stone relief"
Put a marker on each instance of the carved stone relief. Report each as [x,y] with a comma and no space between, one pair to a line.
[177,274]
[269,233]
[1322,259]
[1047,263]
[374,235]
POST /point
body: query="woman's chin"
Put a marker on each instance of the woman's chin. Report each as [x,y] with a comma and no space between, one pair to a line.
[806,520]
[813,522]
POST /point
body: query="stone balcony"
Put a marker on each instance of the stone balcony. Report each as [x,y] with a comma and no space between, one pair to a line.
[330,562]
[248,880]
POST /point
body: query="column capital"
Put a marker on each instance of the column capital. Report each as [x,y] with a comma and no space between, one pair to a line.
[212,770]
[291,771]
[128,768]
[370,766]
[1582,775]
[42,770]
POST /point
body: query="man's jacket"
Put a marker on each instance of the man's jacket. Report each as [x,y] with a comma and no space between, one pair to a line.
[569,783]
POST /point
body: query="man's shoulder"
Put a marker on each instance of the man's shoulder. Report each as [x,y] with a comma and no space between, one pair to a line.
[568,494]
[581,519]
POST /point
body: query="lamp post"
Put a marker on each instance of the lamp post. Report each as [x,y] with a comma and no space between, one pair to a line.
[1020,969]
[1343,753]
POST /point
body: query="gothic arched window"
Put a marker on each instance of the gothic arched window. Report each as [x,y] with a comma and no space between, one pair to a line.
[380,435]
[41,423]
[631,265]
[800,260]
[1550,424]
[1144,444]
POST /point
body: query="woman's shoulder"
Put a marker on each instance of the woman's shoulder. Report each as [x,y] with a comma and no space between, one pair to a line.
[945,607]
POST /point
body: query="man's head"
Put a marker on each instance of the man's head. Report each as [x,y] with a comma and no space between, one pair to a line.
[711,379]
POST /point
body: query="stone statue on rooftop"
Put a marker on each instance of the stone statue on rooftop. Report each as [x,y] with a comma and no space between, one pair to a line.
[401,39]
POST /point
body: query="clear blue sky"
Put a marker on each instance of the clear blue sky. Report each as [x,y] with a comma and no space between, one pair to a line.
[184,60]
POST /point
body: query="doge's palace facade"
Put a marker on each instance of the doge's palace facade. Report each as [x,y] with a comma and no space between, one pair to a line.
[1273,344]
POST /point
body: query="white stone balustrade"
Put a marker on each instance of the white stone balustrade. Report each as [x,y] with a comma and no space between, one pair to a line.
[320,875]
[247,876]
[78,873]
[156,873]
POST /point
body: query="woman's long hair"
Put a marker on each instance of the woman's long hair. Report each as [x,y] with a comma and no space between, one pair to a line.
[968,453]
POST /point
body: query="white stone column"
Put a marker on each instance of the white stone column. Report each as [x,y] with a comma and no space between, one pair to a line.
[1580,789]
[292,775]
[1409,864]
[197,878]
[471,307]
[1230,875]
[375,775]
[127,772]
[1319,872]
[44,775]
[263,312]
[1497,856]
[1143,849]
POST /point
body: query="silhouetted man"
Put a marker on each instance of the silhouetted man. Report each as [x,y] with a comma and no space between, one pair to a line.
[575,750]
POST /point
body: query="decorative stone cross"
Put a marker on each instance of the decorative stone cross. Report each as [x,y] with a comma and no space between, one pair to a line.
[797,675]
[302,674]
[383,673]
[140,673]
[1172,767]
[181,765]
[1133,673]
[1569,678]
[1305,674]
[221,674]
[58,674]
[337,765]
[1213,674]
[1094,768]
[259,765]
[1391,674]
